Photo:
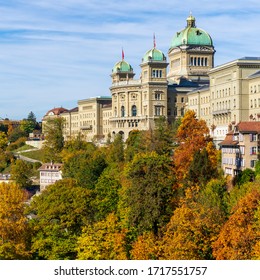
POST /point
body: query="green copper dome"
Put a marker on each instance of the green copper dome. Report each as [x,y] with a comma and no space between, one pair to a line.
[191,35]
[154,55]
[122,66]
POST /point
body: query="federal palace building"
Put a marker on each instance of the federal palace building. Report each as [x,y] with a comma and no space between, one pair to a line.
[169,84]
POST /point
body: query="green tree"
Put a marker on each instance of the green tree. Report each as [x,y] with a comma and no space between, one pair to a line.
[27,126]
[21,173]
[149,191]
[5,159]
[201,169]
[31,117]
[14,231]
[15,134]
[134,144]
[247,175]
[116,150]
[59,214]
[54,140]
[106,193]
[85,167]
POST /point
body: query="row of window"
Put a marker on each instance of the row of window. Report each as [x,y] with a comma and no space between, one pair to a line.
[130,124]
[158,111]
[223,93]
[87,115]
[253,103]
[50,174]
[253,89]
[240,137]
[198,61]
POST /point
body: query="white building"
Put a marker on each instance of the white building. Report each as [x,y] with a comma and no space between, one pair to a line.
[49,174]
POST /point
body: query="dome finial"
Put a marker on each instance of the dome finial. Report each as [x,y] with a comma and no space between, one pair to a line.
[191,20]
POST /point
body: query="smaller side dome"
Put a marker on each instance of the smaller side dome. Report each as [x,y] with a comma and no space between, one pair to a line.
[154,55]
[122,66]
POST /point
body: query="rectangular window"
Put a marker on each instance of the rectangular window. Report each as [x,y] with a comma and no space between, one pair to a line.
[253,150]
[158,110]
[252,163]
[158,96]
[253,137]
[157,73]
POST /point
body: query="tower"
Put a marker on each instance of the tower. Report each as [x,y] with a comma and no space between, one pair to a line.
[191,54]
[154,84]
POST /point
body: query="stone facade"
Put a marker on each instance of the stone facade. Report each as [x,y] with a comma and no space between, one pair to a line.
[241,147]
[223,95]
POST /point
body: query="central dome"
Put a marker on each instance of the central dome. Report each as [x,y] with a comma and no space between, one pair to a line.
[191,35]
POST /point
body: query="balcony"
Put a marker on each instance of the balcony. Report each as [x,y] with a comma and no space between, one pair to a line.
[86,127]
[221,112]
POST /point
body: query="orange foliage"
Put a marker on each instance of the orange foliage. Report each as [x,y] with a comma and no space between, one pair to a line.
[192,136]
[238,237]
[145,248]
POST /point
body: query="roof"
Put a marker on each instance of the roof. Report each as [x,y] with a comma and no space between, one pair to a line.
[254,75]
[154,55]
[51,166]
[248,127]
[56,111]
[228,141]
[200,89]
[122,66]
[191,35]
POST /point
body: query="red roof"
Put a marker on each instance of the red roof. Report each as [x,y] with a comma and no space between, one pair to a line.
[252,126]
[57,111]
[228,141]
[51,167]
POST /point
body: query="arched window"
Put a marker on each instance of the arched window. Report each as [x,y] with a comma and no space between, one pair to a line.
[115,112]
[122,111]
[134,111]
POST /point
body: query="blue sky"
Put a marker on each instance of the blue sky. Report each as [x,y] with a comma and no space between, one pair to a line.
[55,52]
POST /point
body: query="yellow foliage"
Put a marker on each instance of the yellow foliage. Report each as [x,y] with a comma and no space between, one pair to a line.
[13,223]
[145,247]
[103,241]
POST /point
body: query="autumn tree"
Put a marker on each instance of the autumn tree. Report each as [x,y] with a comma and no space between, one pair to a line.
[3,140]
[58,215]
[54,139]
[104,240]
[192,136]
[14,231]
[195,224]
[145,247]
[238,237]
[21,173]
[149,192]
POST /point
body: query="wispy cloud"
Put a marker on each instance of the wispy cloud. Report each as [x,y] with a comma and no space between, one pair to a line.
[55,52]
